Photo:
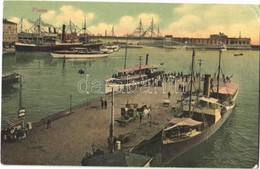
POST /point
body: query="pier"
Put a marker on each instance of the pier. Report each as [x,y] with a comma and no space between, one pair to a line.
[73,132]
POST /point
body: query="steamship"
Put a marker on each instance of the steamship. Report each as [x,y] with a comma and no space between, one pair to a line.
[128,79]
[197,121]
[48,42]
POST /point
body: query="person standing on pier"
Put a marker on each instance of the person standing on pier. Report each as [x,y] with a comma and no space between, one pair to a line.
[102,103]
[141,117]
[169,95]
[48,123]
[105,104]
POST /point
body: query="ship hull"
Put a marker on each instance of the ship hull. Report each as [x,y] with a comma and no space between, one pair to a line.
[124,88]
[78,56]
[172,150]
[20,47]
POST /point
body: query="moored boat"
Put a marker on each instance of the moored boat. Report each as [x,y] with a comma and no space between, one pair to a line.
[109,48]
[10,78]
[238,54]
[78,53]
[130,78]
[49,47]
[200,119]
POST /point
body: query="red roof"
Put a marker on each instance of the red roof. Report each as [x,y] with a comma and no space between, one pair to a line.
[134,68]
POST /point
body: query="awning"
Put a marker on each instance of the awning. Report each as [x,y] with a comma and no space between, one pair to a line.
[226,87]
[134,68]
[183,122]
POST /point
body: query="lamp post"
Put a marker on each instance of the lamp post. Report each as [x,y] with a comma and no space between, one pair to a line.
[200,63]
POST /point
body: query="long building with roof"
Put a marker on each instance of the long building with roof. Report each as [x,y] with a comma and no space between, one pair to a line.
[213,42]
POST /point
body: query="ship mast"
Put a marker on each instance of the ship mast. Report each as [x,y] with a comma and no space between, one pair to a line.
[85,28]
[21,25]
[191,81]
[126,51]
[219,68]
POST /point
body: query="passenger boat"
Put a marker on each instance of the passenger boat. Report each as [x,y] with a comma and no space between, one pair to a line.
[129,79]
[109,48]
[200,118]
[78,53]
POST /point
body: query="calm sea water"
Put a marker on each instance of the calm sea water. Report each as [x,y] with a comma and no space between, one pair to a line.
[48,84]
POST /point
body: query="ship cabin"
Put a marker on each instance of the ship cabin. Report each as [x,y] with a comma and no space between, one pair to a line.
[210,108]
[180,129]
[207,110]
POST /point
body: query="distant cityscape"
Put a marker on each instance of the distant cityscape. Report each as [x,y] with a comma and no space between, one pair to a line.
[151,37]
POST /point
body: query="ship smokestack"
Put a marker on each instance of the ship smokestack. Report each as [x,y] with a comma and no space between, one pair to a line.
[206,89]
[49,29]
[54,30]
[146,60]
[63,33]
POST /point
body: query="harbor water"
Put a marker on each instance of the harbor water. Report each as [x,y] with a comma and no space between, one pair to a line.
[48,83]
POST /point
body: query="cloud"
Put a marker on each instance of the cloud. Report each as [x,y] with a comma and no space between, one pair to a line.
[187,20]
[26,24]
[126,24]
[48,16]
[198,20]
[147,18]
[66,14]
[185,23]
[101,28]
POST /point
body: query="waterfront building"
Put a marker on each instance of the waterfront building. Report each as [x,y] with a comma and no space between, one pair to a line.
[10,35]
[214,41]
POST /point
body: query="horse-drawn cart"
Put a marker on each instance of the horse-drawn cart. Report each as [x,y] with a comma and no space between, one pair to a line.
[128,114]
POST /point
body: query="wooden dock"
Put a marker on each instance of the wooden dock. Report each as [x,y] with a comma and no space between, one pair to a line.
[72,134]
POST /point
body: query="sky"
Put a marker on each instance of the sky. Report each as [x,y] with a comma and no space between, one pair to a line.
[178,19]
